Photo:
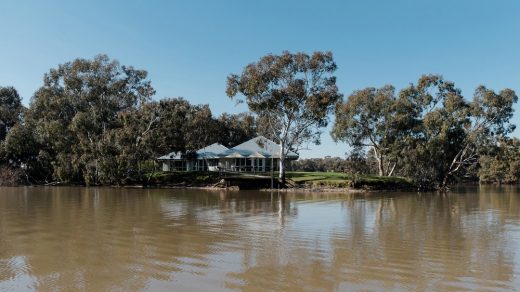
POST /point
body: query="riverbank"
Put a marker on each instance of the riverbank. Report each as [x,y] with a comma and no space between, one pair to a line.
[338,180]
[295,181]
[298,181]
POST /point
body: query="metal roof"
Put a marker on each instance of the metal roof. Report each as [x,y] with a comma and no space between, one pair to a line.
[172,155]
[263,146]
[212,151]
[259,147]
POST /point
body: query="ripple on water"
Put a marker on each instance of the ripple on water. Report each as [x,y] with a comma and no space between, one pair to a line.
[104,239]
[15,276]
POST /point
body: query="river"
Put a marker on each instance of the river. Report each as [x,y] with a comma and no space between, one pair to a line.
[117,239]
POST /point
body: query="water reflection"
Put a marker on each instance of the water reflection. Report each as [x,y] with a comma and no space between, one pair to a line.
[129,239]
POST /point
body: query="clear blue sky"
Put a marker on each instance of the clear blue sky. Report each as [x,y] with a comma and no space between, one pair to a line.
[189,47]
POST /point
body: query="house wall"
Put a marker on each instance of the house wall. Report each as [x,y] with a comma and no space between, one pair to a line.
[225,163]
[249,164]
[228,164]
[174,165]
[165,166]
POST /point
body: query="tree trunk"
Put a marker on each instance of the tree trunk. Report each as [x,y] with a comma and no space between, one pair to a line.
[379,158]
[281,174]
[392,169]
[444,184]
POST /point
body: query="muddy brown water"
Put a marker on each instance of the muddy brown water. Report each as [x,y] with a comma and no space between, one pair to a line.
[109,239]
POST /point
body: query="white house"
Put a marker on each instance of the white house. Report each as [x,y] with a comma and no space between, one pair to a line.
[256,155]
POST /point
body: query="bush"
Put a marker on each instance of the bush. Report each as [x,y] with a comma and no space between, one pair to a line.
[10,176]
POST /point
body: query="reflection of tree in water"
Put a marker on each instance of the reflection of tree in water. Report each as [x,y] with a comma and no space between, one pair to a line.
[101,238]
[98,239]
[418,242]
[424,241]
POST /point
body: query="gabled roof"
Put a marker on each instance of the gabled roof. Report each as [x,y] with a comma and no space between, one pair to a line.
[258,155]
[261,146]
[212,151]
[172,155]
[233,154]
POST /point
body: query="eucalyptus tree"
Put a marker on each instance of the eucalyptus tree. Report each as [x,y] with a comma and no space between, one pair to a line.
[78,104]
[501,163]
[440,114]
[450,132]
[429,131]
[374,118]
[200,128]
[168,134]
[236,128]
[11,109]
[21,151]
[292,92]
[490,114]
[11,119]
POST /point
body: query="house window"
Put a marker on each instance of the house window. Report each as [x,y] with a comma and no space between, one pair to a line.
[202,165]
[240,161]
[179,165]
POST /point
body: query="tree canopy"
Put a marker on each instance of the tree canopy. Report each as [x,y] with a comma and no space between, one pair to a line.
[373,118]
[501,163]
[10,110]
[293,93]
[93,121]
[429,132]
[78,107]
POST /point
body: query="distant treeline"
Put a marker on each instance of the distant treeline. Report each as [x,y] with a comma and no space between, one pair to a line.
[95,122]
[352,165]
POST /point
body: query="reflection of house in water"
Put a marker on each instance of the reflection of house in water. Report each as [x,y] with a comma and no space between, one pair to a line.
[256,155]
